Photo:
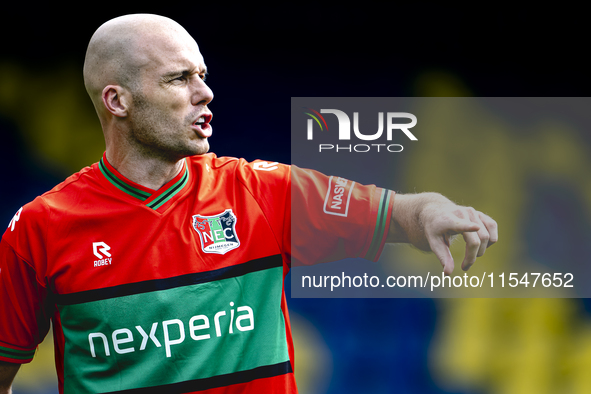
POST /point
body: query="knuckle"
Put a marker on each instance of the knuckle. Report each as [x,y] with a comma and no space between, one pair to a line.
[484,237]
[459,213]
[490,222]
[475,240]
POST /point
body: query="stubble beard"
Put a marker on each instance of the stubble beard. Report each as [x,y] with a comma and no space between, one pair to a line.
[156,134]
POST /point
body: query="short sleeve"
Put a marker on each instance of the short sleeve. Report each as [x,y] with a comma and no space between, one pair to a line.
[319,218]
[335,218]
[23,299]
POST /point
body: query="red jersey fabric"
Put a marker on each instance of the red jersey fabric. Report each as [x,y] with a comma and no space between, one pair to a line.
[178,289]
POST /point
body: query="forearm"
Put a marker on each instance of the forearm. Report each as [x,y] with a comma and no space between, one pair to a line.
[7,373]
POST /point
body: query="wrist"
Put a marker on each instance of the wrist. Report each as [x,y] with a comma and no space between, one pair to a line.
[410,214]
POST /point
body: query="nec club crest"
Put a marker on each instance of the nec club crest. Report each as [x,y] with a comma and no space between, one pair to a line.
[217,232]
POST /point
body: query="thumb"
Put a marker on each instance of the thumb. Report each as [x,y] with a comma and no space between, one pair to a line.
[463,225]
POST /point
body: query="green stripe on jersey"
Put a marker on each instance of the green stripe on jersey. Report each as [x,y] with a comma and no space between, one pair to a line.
[380,226]
[121,184]
[178,334]
[16,354]
[170,192]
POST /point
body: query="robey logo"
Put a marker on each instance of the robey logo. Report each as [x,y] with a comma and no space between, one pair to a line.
[15,219]
[344,133]
[101,251]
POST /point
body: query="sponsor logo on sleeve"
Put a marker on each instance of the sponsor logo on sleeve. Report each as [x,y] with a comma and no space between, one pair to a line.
[338,196]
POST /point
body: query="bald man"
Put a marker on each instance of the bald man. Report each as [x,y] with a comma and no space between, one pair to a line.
[146,78]
[161,266]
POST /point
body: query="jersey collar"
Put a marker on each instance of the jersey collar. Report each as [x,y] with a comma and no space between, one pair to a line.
[153,199]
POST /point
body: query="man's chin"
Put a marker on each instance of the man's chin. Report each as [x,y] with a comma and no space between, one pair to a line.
[201,149]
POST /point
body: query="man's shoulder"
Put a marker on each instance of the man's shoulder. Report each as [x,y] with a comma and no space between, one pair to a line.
[65,193]
[75,183]
[212,161]
[33,216]
[241,168]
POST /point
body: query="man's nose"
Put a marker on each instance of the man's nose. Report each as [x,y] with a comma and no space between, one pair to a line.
[202,94]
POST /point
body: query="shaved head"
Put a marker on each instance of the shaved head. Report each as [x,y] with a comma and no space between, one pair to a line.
[122,47]
[146,78]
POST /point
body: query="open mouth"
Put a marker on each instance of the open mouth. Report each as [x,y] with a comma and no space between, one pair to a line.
[202,126]
[203,119]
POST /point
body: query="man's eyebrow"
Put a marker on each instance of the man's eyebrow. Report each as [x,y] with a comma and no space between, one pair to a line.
[177,73]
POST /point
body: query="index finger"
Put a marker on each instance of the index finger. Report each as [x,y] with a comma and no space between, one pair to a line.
[440,247]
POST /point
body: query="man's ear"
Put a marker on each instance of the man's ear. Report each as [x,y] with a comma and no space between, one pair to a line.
[115,100]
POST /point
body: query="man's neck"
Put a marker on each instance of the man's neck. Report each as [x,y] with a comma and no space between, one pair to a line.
[151,172]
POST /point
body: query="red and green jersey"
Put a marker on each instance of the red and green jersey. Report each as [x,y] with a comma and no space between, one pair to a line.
[178,289]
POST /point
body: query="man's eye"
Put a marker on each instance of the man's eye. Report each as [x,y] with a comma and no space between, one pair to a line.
[203,76]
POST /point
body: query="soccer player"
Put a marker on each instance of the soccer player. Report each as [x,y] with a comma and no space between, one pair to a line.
[162,266]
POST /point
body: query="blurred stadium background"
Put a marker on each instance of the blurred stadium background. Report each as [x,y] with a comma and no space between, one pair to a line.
[535,181]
